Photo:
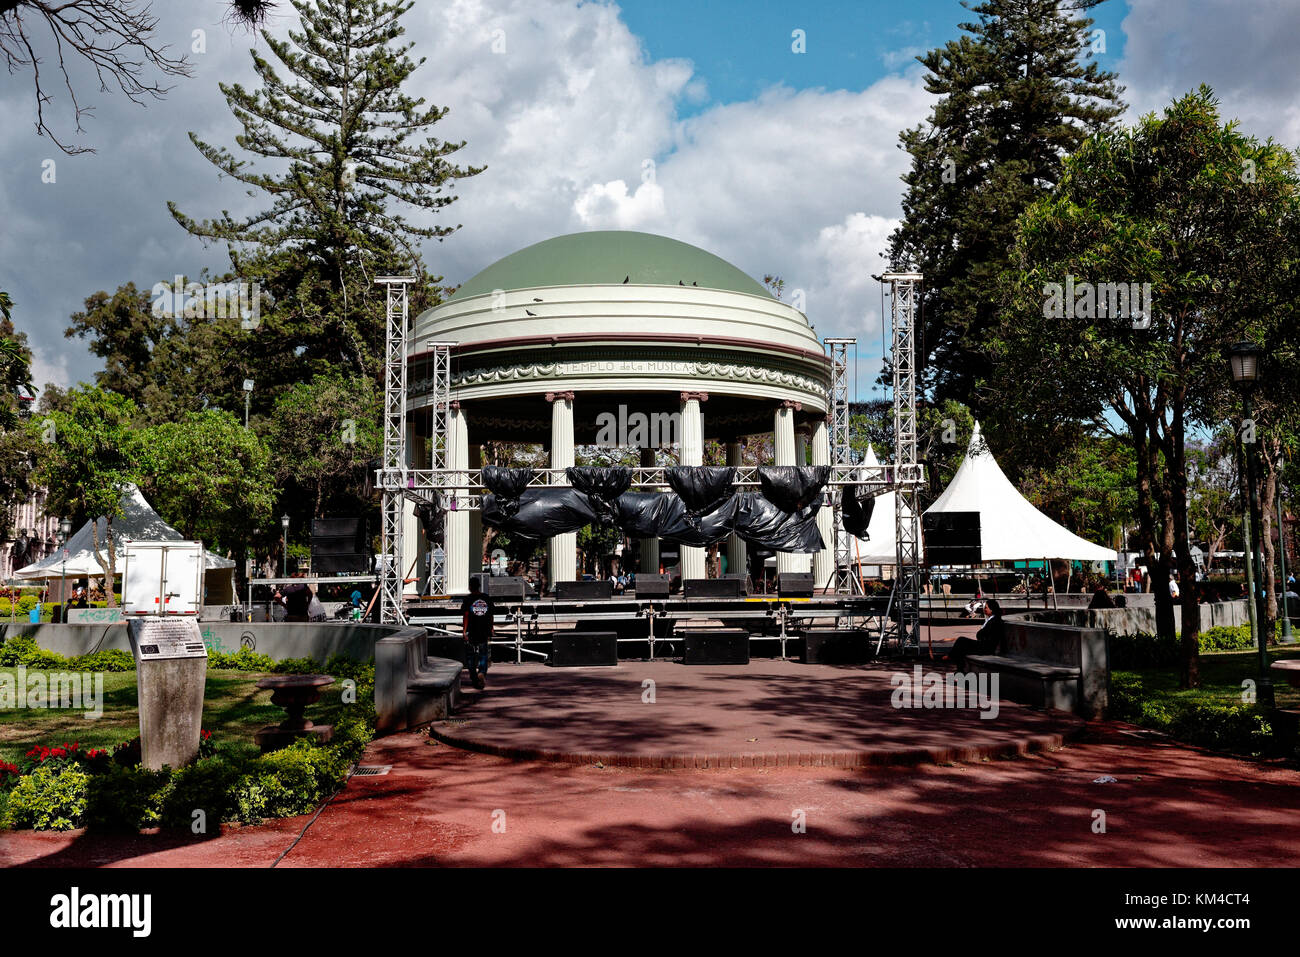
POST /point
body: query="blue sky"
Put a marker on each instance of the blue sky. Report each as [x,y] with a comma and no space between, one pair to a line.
[742,47]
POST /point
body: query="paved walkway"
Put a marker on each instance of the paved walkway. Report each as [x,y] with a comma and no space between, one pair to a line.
[1169,807]
[769,713]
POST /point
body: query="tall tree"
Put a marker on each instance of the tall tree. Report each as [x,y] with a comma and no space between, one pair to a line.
[1015,97]
[1210,219]
[15,396]
[345,146]
[209,477]
[87,463]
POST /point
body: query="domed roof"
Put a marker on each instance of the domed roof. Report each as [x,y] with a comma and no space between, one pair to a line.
[607,257]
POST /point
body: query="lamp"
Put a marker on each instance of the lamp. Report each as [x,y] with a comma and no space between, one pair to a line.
[248,394]
[1244,363]
[65,530]
[284,560]
[1243,358]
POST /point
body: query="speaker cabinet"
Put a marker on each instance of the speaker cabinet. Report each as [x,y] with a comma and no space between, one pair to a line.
[952,538]
[576,649]
[507,586]
[711,588]
[835,646]
[653,586]
[584,591]
[716,646]
[794,584]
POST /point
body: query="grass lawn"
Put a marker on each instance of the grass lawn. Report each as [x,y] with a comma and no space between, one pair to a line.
[1222,673]
[233,708]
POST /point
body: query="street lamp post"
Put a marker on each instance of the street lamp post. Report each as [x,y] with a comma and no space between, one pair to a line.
[1244,360]
[1287,637]
[65,530]
[284,554]
[248,394]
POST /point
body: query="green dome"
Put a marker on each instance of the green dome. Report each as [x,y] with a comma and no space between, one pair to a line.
[607,256]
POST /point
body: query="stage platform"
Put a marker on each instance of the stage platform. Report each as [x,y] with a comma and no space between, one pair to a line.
[768,714]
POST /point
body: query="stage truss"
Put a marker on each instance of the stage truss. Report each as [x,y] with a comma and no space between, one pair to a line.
[437,485]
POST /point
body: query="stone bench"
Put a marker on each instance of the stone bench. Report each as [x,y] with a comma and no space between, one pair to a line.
[412,688]
[1051,666]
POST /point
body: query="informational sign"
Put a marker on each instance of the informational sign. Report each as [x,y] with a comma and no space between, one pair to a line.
[153,639]
[162,578]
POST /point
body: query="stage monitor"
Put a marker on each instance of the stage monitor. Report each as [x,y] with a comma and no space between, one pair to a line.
[584,590]
[711,588]
[952,538]
[652,586]
[794,584]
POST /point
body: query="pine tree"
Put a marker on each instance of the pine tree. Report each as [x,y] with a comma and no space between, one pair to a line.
[345,145]
[1016,97]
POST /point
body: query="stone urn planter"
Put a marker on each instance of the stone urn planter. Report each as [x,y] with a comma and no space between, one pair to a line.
[294,693]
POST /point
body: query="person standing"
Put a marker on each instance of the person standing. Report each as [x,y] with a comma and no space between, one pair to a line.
[478,612]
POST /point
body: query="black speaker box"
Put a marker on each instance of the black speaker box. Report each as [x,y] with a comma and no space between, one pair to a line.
[836,646]
[711,588]
[653,586]
[584,591]
[576,649]
[716,646]
[339,564]
[507,586]
[952,538]
[794,584]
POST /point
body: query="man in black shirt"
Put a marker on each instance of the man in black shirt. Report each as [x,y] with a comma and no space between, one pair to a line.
[477,613]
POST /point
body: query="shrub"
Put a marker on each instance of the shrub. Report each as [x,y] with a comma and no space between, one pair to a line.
[245,659]
[1221,726]
[111,659]
[48,800]
[126,798]
[23,650]
[296,666]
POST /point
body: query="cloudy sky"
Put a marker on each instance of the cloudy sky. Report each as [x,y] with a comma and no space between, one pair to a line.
[694,120]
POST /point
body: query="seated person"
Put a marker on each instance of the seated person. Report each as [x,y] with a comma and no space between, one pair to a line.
[987,641]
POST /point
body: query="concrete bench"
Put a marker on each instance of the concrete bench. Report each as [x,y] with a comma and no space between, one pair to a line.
[1051,666]
[412,688]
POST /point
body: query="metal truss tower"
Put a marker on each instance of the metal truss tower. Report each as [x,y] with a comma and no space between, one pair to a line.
[904,289]
[392,473]
[440,399]
[846,582]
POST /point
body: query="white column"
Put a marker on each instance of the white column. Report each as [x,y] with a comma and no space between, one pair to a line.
[736,550]
[801,448]
[692,454]
[823,561]
[785,449]
[474,554]
[563,556]
[411,537]
[455,539]
[649,546]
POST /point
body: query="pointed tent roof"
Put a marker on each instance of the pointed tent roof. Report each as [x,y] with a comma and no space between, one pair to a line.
[1011,529]
[138,522]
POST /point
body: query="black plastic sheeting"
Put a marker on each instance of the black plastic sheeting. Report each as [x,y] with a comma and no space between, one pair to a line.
[664,515]
[793,488]
[761,523]
[602,485]
[430,518]
[702,509]
[702,488]
[856,513]
[539,512]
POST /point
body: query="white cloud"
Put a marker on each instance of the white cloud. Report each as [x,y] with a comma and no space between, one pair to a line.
[610,206]
[1245,51]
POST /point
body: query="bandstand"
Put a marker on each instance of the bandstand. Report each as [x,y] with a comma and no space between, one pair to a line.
[625,340]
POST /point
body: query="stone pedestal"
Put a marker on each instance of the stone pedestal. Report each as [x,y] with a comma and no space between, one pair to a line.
[294,693]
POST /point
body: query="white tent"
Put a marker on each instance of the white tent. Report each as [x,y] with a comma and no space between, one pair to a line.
[880,547]
[138,522]
[1010,528]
